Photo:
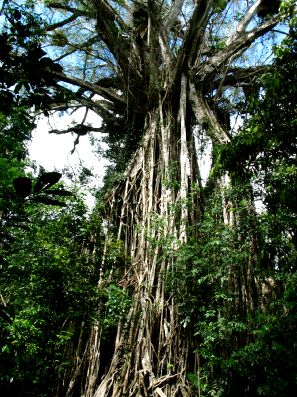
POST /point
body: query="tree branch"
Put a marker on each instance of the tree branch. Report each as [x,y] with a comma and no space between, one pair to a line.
[111,12]
[111,82]
[193,39]
[165,51]
[194,35]
[111,35]
[62,23]
[242,25]
[79,129]
[234,48]
[105,109]
[95,88]
[65,7]
[238,76]
[173,13]
[203,113]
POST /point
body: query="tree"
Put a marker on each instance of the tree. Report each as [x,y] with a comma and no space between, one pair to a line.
[169,75]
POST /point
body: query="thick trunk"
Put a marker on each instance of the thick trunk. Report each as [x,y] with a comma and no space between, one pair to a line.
[150,210]
[151,349]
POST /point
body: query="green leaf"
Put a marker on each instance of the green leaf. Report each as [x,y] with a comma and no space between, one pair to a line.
[6,238]
[58,192]
[5,349]
[47,180]
[48,201]
[22,186]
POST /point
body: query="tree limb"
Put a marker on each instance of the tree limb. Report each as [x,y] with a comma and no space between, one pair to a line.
[173,13]
[203,113]
[109,32]
[165,51]
[65,7]
[195,32]
[238,76]
[111,12]
[62,23]
[193,39]
[242,25]
[234,48]
[79,129]
[95,88]
[111,82]
[105,109]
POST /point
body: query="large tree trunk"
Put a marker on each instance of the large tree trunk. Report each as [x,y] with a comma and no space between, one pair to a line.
[152,352]
[151,211]
[159,203]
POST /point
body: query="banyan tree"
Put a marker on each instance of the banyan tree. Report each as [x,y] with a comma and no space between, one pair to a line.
[169,79]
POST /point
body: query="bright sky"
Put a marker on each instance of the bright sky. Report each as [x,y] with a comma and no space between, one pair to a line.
[53,151]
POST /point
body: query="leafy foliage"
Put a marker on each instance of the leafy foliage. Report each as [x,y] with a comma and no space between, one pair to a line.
[26,78]
[246,327]
[48,283]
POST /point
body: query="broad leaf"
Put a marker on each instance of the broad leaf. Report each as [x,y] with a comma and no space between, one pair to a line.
[48,201]
[58,192]
[47,180]
[22,186]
